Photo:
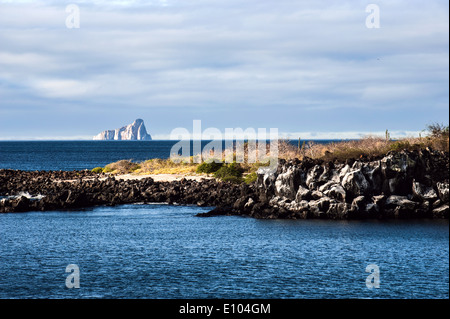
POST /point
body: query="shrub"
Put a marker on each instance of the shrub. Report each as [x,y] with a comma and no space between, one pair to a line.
[400,146]
[439,136]
[438,130]
[250,178]
[97,170]
[209,168]
[232,179]
[107,169]
[229,170]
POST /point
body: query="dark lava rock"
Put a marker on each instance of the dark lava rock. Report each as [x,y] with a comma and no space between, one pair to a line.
[406,184]
[218,211]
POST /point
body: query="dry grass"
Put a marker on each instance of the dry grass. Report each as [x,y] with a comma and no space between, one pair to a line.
[165,166]
[153,166]
[370,146]
[121,167]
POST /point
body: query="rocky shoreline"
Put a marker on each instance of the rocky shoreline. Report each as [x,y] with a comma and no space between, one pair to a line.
[399,185]
[55,190]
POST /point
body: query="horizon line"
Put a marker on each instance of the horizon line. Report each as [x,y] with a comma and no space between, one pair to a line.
[282,135]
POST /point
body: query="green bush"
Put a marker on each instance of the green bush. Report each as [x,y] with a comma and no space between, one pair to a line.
[232,179]
[107,169]
[233,169]
[250,178]
[209,168]
[400,146]
[97,170]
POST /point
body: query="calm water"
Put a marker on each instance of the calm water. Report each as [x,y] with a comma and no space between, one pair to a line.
[158,251]
[77,155]
[161,251]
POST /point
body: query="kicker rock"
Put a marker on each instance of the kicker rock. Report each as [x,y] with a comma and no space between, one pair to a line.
[134,132]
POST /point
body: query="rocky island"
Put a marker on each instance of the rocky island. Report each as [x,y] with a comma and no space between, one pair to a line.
[133,132]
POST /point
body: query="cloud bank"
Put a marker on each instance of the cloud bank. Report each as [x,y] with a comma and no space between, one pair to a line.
[300,66]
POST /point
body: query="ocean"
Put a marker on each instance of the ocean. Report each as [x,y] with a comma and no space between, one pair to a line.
[79,155]
[161,251]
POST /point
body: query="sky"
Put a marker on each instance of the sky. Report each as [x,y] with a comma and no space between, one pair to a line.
[311,69]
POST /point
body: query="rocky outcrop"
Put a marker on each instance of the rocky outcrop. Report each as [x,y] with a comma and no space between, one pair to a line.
[399,185]
[52,190]
[133,132]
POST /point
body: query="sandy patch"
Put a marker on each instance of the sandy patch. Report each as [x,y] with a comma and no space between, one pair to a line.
[163,177]
[156,177]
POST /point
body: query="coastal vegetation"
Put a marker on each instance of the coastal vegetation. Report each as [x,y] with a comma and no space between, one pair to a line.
[230,173]
[436,137]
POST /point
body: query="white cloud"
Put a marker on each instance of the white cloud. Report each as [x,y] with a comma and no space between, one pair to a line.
[347,135]
[289,57]
[62,88]
[344,135]
[281,135]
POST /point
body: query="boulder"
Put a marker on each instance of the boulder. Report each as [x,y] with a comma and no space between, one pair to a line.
[327,186]
[20,204]
[400,207]
[337,211]
[372,172]
[320,206]
[358,204]
[372,209]
[400,201]
[397,163]
[441,212]
[423,192]
[317,194]
[336,192]
[397,169]
[303,193]
[265,182]
[287,182]
[355,183]
[312,177]
[249,204]
[443,191]
[218,211]
[379,200]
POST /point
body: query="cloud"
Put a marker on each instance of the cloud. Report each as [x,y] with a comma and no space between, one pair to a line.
[344,135]
[341,135]
[62,88]
[173,61]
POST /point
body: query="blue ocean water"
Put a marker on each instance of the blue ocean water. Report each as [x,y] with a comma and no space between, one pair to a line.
[160,251]
[78,155]
[163,251]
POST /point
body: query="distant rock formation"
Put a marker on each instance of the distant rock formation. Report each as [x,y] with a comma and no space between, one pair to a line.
[133,132]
